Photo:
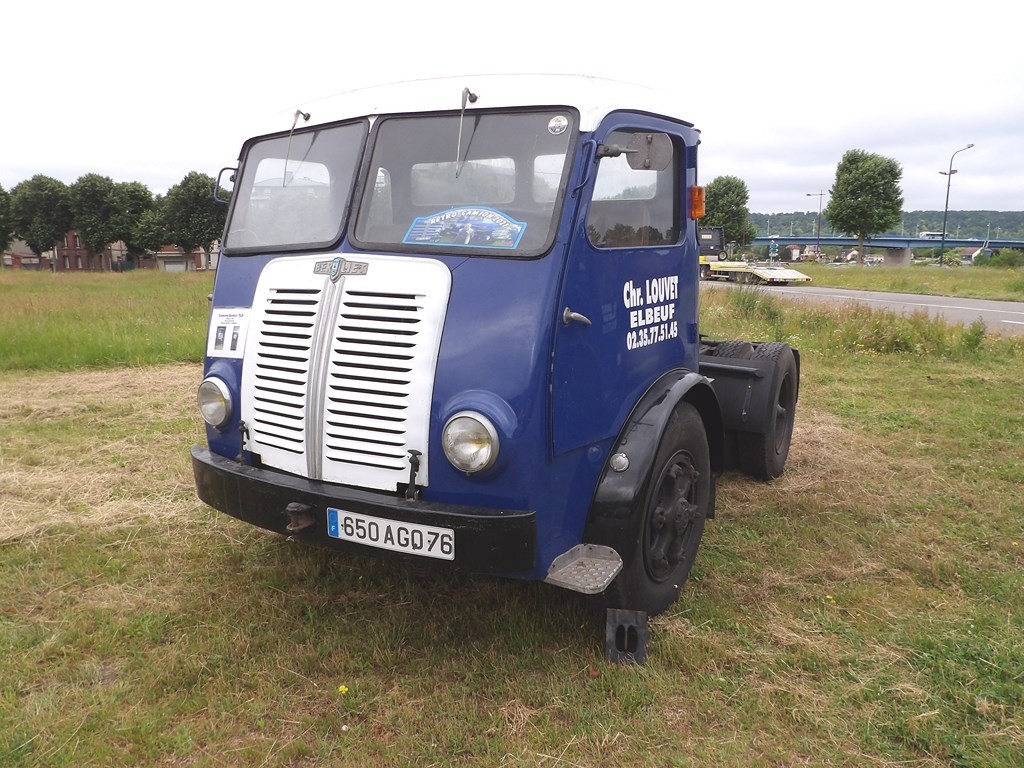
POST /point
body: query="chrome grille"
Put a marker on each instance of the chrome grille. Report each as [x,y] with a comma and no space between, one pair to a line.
[282,362]
[338,377]
[370,378]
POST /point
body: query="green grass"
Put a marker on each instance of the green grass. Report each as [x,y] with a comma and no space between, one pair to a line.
[76,320]
[866,609]
[998,284]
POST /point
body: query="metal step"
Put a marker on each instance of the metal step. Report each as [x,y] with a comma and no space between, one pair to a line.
[586,568]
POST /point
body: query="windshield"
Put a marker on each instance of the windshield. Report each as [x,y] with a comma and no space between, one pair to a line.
[294,189]
[489,183]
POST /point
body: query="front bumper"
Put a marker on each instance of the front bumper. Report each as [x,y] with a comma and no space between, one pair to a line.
[487,540]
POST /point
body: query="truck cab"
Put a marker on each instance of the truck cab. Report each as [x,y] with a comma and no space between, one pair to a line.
[457,321]
[711,248]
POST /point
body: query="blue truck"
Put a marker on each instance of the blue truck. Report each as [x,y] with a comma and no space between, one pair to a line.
[456,321]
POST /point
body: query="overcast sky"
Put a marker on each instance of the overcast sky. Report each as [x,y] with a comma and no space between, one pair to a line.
[148,92]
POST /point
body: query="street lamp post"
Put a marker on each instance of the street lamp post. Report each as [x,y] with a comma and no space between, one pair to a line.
[945,212]
[817,248]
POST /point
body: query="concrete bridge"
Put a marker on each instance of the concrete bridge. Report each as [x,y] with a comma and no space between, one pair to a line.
[899,248]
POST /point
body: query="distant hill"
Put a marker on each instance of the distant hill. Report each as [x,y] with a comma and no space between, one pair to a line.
[972,224]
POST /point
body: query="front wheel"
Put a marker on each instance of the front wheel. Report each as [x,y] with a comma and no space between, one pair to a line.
[670,520]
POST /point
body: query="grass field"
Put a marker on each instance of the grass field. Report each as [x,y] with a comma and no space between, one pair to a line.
[866,609]
[70,320]
[968,282]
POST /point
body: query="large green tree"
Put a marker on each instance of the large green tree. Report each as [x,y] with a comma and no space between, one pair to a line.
[41,212]
[93,211]
[866,198]
[193,218]
[150,232]
[107,212]
[132,201]
[6,225]
[726,199]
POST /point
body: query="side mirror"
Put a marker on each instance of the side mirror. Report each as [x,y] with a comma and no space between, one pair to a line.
[645,151]
[649,152]
[218,186]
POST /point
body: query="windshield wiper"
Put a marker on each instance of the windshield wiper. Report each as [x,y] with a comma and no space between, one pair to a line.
[288,149]
[467,95]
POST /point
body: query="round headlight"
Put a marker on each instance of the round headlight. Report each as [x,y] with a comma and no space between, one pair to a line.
[214,402]
[470,442]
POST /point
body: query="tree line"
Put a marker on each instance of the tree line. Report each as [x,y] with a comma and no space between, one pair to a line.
[41,210]
[865,200]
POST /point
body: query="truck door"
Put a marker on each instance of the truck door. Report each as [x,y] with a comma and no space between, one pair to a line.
[631,274]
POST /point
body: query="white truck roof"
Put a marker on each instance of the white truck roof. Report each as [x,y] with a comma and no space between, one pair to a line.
[593,97]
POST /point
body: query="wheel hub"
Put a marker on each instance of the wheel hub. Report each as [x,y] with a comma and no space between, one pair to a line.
[673,512]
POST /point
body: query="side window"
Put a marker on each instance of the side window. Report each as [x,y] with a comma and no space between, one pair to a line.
[633,207]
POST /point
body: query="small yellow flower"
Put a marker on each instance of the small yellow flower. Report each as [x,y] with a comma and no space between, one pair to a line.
[342,689]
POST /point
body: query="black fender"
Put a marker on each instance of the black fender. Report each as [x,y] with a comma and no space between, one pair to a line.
[744,388]
[611,521]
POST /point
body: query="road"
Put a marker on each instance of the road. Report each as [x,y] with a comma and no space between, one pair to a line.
[1000,317]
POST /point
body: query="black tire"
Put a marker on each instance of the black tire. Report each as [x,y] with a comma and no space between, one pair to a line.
[763,456]
[743,350]
[705,271]
[670,521]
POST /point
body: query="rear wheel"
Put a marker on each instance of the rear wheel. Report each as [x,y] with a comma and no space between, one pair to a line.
[743,350]
[764,455]
[670,523]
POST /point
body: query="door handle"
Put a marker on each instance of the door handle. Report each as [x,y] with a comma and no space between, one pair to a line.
[568,316]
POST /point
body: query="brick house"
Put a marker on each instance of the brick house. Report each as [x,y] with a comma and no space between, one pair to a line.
[19,256]
[72,256]
[171,258]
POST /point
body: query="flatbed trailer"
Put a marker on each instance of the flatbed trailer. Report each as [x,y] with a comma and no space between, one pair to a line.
[754,272]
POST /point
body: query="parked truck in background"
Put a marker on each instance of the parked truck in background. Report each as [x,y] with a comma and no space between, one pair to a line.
[711,246]
[713,265]
[457,321]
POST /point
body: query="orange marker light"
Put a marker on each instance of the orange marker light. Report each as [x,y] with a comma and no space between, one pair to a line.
[696,202]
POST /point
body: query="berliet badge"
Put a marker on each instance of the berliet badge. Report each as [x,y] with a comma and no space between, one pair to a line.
[339,267]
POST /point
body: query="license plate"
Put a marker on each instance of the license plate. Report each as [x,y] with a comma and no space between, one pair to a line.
[411,538]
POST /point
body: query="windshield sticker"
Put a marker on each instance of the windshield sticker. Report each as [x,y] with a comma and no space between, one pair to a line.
[466,228]
[557,125]
[227,333]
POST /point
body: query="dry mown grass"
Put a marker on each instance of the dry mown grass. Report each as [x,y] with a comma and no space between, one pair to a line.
[143,469]
[799,640]
[57,468]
